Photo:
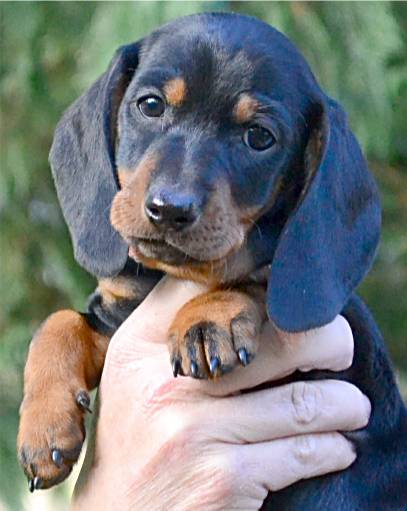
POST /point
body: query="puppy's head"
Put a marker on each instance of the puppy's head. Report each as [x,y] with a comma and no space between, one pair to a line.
[215,152]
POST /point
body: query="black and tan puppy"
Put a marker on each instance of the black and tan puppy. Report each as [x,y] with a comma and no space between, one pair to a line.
[208,151]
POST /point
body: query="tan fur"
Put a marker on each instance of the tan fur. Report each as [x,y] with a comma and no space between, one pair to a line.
[233,266]
[66,356]
[218,234]
[124,177]
[117,288]
[175,91]
[219,307]
[234,317]
[245,108]
[127,211]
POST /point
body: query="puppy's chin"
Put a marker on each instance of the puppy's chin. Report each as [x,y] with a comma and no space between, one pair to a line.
[172,262]
[158,255]
[168,251]
[158,251]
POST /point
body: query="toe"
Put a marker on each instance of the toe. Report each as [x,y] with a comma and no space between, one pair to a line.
[219,351]
[245,333]
[195,362]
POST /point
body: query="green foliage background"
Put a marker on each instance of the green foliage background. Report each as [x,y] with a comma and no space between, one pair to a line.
[50,52]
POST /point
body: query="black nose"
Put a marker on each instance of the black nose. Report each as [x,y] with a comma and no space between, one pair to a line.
[176,212]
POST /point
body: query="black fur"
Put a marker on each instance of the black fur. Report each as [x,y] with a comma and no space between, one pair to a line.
[83,165]
[319,235]
[328,243]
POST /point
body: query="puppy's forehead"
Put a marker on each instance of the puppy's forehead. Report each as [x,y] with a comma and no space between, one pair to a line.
[206,62]
[199,64]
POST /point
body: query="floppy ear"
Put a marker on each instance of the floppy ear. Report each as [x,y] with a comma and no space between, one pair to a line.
[83,165]
[329,241]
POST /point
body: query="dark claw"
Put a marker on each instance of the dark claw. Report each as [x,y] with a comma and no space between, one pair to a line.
[31,486]
[57,458]
[214,365]
[176,366]
[83,401]
[243,356]
[37,483]
[194,369]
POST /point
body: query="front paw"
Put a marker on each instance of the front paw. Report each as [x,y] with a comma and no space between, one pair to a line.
[214,333]
[51,435]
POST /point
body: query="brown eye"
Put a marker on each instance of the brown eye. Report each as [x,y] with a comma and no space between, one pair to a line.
[151,106]
[258,138]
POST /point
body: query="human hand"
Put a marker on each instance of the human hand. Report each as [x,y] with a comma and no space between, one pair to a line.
[177,444]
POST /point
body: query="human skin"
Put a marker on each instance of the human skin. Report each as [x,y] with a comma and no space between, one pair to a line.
[178,444]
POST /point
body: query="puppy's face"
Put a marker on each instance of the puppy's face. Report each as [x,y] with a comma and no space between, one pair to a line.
[229,157]
[210,133]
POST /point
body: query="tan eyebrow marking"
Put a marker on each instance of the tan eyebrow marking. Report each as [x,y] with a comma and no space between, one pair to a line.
[175,91]
[245,108]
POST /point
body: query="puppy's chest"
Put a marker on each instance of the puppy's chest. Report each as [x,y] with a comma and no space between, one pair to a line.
[116,298]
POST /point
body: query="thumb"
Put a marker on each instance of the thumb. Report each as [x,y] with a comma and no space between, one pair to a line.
[150,322]
[153,317]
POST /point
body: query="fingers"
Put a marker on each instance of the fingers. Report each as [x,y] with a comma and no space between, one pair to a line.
[279,463]
[297,408]
[304,351]
[281,353]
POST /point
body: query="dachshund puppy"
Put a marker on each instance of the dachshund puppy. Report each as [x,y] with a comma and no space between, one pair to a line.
[208,151]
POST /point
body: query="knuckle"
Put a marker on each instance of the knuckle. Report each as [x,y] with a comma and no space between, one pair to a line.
[305,401]
[222,476]
[228,463]
[165,398]
[181,444]
[179,425]
[221,487]
[361,408]
[180,441]
[305,450]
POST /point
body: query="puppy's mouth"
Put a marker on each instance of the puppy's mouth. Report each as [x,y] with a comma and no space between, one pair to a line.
[159,250]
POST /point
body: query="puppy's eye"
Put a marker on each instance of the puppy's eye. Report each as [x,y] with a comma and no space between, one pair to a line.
[151,106]
[258,138]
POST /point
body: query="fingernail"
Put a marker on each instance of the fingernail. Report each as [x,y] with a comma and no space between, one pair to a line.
[31,485]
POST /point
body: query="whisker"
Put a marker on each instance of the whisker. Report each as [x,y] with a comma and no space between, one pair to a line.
[225,268]
[256,225]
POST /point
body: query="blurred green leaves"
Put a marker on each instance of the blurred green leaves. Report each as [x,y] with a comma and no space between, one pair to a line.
[51,51]
[357,51]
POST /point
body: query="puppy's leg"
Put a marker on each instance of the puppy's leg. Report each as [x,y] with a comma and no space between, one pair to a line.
[65,361]
[216,331]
